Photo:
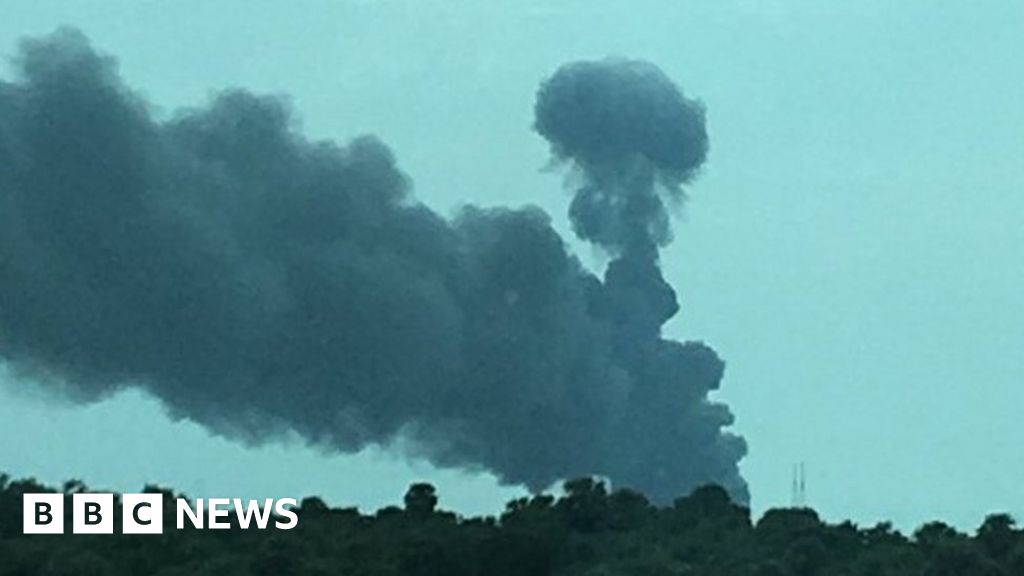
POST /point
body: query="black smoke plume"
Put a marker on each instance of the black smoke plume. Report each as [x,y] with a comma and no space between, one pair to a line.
[635,138]
[256,281]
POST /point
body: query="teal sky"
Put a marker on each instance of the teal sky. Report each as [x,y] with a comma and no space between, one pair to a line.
[853,249]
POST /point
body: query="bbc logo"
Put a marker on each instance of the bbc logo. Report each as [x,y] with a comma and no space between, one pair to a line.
[144,513]
[92,514]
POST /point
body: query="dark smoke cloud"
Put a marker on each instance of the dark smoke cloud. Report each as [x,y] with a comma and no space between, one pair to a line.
[634,135]
[256,281]
[635,139]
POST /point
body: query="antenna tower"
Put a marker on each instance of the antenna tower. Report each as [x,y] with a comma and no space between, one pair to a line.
[799,486]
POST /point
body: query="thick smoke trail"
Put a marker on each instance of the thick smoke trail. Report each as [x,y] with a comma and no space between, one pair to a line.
[635,139]
[256,281]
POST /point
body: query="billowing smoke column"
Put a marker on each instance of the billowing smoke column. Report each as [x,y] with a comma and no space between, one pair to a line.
[635,139]
[256,281]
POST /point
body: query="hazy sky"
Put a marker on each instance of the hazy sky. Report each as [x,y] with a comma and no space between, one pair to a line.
[852,250]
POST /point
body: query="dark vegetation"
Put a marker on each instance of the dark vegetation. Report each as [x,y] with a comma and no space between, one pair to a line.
[586,531]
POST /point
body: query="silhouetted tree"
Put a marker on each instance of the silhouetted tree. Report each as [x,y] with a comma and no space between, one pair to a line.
[420,500]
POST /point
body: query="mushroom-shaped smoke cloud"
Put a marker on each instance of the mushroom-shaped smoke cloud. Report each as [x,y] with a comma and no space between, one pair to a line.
[633,134]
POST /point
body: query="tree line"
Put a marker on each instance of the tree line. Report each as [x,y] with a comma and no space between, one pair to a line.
[586,531]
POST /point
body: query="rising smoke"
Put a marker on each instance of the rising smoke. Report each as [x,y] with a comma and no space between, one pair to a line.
[256,281]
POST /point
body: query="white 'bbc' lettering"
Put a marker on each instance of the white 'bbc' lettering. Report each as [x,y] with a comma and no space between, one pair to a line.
[93,513]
